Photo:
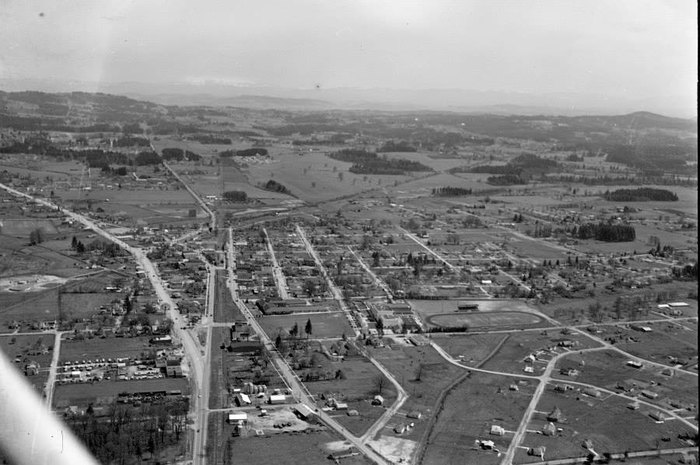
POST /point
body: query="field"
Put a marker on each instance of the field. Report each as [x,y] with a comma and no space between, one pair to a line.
[608,423]
[314,177]
[487,320]
[36,306]
[357,388]
[324,325]
[17,349]
[510,357]
[471,349]
[304,448]
[468,413]
[225,310]
[111,347]
[18,258]
[84,305]
[608,369]
[104,392]
[666,343]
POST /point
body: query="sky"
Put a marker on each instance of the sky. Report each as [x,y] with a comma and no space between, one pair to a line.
[632,48]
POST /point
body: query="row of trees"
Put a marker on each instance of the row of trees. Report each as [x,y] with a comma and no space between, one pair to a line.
[364,162]
[235,196]
[605,232]
[642,194]
[449,191]
[244,153]
[179,154]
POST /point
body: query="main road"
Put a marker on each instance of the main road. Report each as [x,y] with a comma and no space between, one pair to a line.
[190,346]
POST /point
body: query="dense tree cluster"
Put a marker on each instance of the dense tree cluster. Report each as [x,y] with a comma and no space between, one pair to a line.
[128,433]
[365,162]
[244,153]
[179,155]
[642,194]
[147,158]
[450,191]
[506,180]
[652,156]
[605,232]
[235,196]
[274,186]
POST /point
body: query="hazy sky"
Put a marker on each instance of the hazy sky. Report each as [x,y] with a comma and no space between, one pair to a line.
[636,48]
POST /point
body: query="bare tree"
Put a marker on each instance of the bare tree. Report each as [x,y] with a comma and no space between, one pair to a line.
[379,383]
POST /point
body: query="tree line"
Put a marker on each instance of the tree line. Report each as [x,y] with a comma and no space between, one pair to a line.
[642,194]
[244,153]
[450,191]
[605,232]
[364,162]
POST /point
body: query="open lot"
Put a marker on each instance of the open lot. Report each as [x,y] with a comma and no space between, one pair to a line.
[111,347]
[302,448]
[323,325]
[607,422]
[469,411]
[225,310]
[104,392]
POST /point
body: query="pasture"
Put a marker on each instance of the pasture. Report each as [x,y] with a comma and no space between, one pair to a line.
[324,325]
[469,410]
[607,422]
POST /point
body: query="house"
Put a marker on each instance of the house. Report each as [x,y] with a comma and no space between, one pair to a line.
[537,452]
[497,430]
[649,394]
[591,392]
[414,414]
[657,415]
[549,429]
[174,371]
[634,364]
[378,400]
[555,415]
[304,412]
[242,399]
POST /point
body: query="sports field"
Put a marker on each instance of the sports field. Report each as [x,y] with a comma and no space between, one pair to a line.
[484,320]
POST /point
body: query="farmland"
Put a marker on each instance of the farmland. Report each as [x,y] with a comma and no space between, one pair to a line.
[222,279]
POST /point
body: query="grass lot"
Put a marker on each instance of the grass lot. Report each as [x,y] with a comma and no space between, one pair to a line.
[471,348]
[306,448]
[608,423]
[321,171]
[427,308]
[663,342]
[487,320]
[85,305]
[469,411]
[17,347]
[357,389]
[323,325]
[406,363]
[17,258]
[111,347]
[225,310]
[34,306]
[104,392]
[510,356]
[607,368]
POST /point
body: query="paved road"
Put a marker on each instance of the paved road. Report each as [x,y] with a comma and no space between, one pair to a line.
[415,239]
[202,203]
[378,281]
[335,292]
[277,273]
[190,345]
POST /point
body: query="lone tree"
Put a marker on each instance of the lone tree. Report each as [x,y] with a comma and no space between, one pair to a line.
[379,383]
[308,329]
[36,236]
[294,331]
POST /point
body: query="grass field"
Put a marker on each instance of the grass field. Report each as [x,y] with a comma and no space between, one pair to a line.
[469,411]
[306,448]
[663,342]
[510,357]
[428,308]
[85,305]
[486,320]
[225,310]
[104,392]
[470,348]
[323,325]
[606,368]
[607,422]
[17,350]
[111,347]
[35,306]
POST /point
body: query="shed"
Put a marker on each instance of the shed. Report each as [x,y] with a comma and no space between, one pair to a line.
[591,392]
[237,417]
[243,399]
[537,452]
[657,415]
[497,430]
[378,400]
[415,414]
[277,399]
[304,412]
[549,429]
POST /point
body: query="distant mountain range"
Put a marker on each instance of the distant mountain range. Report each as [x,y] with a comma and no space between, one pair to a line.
[458,100]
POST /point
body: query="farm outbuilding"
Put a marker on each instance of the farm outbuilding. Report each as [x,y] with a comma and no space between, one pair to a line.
[497,430]
[555,415]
